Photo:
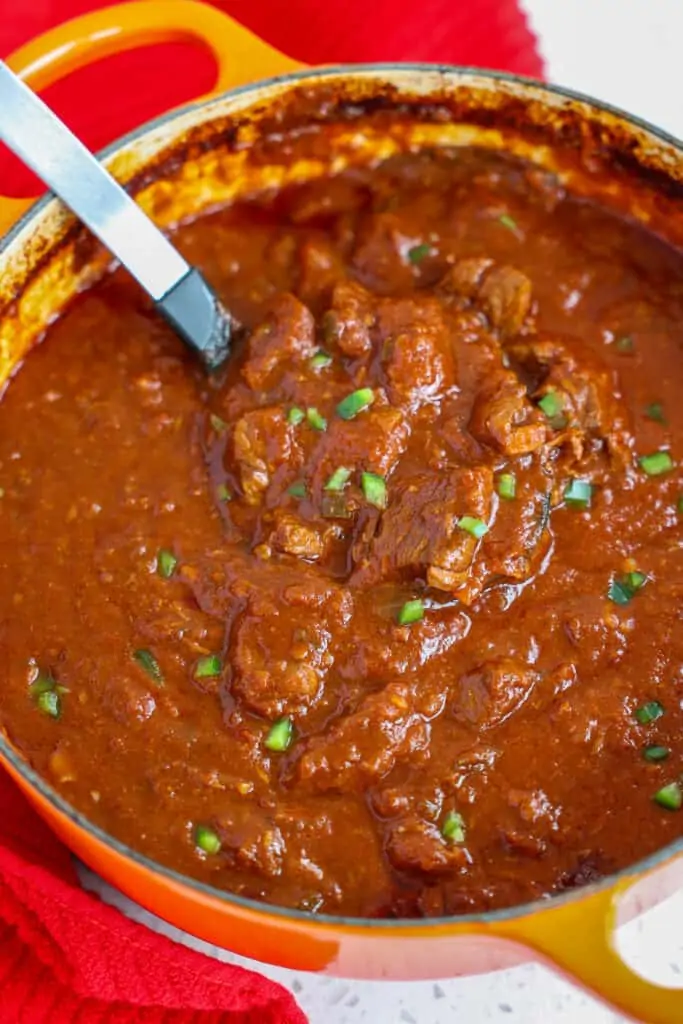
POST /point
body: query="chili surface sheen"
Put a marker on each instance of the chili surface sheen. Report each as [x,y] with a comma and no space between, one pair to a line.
[386,619]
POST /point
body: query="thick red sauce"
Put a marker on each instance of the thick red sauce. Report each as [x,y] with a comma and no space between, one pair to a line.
[200,617]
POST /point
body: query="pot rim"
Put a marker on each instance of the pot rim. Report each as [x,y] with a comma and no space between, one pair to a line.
[257,907]
[358,71]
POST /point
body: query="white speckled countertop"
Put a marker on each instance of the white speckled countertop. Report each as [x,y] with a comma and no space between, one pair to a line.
[628,53]
[529,994]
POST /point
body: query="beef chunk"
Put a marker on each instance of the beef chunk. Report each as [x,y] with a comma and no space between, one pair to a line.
[391,801]
[321,267]
[599,717]
[392,651]
[295,537]
[416,845]
[268,678]
[492,692]
[465,277]
[417,339]
[460,445]
[374,441]
[521,539]
[591,632]
[263,852]
[523,844]
[280,658]
[534,807]
[287,336]
[263,441]
[316,593]
[504,418]
[590,867]
[251,840]
[351,318]
[594,639]
[537,826]
[378,258]
[503,293]
[588,391]
[419,532]
[366,744]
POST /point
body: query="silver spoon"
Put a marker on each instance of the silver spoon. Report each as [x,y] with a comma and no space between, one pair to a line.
[38,137]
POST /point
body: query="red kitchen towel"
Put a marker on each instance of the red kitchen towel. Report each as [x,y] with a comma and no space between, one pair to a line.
[64,955]
[93,101]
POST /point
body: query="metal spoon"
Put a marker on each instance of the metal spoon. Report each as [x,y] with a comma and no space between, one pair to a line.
[180,293]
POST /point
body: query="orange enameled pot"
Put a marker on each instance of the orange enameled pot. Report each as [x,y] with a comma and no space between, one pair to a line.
[232,143]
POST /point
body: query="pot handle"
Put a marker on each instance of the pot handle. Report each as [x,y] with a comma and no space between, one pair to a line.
[577,937]
[240,56]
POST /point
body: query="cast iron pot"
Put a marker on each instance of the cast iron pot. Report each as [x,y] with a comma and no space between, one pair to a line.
[207,154]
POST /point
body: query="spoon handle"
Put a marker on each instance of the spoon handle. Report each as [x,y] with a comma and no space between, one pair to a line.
[53,152]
